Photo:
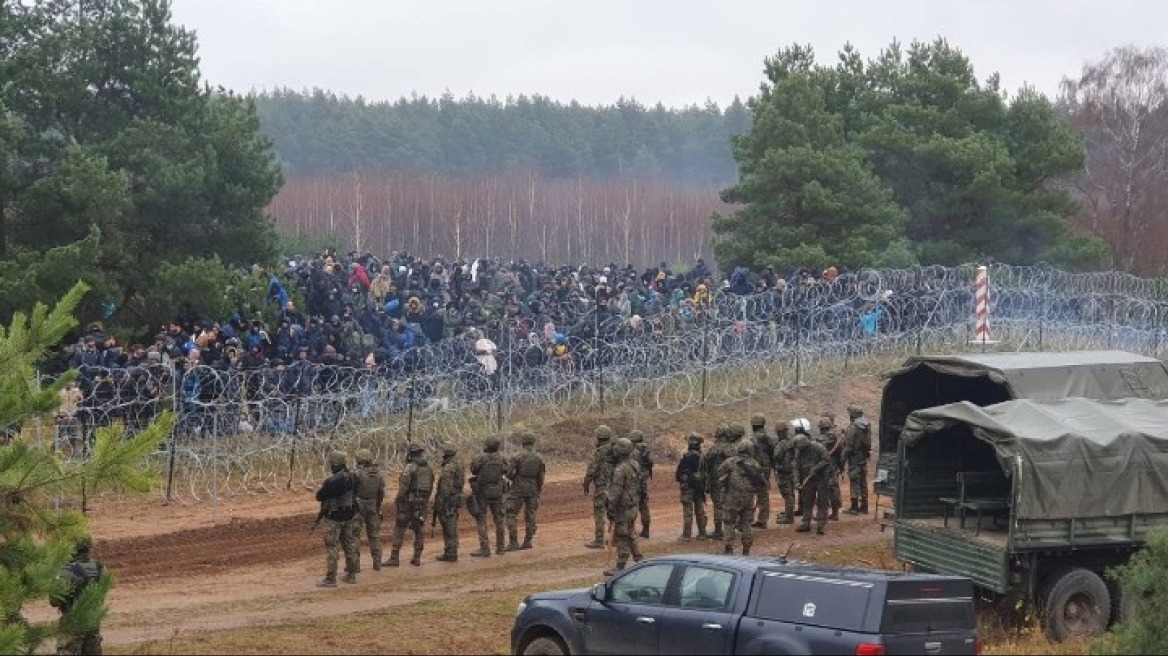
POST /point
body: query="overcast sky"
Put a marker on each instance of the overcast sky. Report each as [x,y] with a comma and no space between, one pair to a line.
[674,51]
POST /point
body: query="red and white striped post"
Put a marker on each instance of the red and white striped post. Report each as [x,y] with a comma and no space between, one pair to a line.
[981,301]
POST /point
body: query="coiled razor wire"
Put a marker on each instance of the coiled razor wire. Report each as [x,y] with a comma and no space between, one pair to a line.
[262,431]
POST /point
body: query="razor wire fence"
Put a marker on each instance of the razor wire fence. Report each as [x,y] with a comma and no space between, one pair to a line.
[261,431]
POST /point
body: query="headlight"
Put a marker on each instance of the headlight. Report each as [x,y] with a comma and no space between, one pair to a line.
[522,607]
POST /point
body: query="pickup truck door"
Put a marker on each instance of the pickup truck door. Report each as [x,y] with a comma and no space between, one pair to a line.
[702,621]
[627,623]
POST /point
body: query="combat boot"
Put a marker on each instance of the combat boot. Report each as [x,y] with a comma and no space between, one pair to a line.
[349,577]
[376,563]
[785,518]
[598,543]
[819,530]
[854,509]
[526,543]
[803,528]
[392,562]
[728,549]
[328,582]
[702,532]
[645,530]
[746,550]
[717,534]
[484,551]
[447,558]
[834,516]
[864,507]
[416,561]
[513,541]
[759,524]
[613,571]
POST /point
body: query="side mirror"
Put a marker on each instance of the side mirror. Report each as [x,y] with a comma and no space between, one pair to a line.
[600,592]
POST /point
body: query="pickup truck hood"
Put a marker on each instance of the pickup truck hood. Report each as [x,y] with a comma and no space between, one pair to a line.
[560,595]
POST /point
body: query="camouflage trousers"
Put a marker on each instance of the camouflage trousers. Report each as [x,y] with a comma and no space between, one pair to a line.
[529,504]
[858,483]
[624,537]
[410,515]
[786,485]
[79,643]
[600,511]
[816,497]
[449,522]
[493,507]
[762,499]
[338,537]
[836,498]
[643,510]
[736,517]
[716,504]
[693,504]
[369,519]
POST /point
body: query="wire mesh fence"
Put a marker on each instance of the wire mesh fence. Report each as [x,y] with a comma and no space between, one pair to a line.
[261,431]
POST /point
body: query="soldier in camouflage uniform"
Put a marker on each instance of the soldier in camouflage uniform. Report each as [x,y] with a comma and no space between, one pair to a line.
[830,439]
[338,507]
[857,449]
[489,482]
[813,470]
[447,502]
[78,573]
[598,477]
[784,473]
[764,454]
[711,461]
[413,496]
[623,502]
[526,471]
[740,478]
[370,496]
[692,487]
[645,461]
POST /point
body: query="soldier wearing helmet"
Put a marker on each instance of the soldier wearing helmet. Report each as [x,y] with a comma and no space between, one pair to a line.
[784,474]
[740,478]
[338,507]
[812,469]
[413,497]
[645,461]
[829,437]
[764,450]
[692,487]
[448,501]
[857,449]
[526,470]
[489,472]
[623,493]
[711,462]
[81,570]
[598,476]
[370,496]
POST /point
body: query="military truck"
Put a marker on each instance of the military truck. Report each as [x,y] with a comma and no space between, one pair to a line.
[985,379]
[1034,500]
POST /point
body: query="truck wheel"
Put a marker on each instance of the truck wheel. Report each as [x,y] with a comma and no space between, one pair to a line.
[1076,604]
[545,647]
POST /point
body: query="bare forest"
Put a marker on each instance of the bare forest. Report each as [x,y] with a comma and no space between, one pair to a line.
[512,215]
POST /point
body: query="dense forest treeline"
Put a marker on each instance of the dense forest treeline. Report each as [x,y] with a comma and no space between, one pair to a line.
[320,132]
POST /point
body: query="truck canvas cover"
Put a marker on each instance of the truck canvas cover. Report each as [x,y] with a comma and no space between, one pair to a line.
[1077,457]
[1087,374]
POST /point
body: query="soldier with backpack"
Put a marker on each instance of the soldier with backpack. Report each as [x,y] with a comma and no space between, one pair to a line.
[77,574]
[370,496]
[489,477]
[413,495]
[526,471]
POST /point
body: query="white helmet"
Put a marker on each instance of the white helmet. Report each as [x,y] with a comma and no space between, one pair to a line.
[801,425]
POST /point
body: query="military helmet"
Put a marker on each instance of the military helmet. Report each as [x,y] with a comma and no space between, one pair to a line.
[623,446]
[603,433]
[855,411]
[449,450]
[414,447]
[83,544]
[694,438]
[801,425]
[337,460]
[744,449]
[527,438]
[636,436]
[829,414]
[492,443]
[364,456]
[736,431]
[758,420]
[824,422]
[722,432]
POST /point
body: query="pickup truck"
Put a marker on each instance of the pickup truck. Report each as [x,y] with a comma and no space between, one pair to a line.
[707,604]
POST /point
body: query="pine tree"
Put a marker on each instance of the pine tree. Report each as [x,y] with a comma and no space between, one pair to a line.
[37,538]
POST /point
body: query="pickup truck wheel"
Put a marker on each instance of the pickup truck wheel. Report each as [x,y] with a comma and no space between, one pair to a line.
[1076,604]
[545,646]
